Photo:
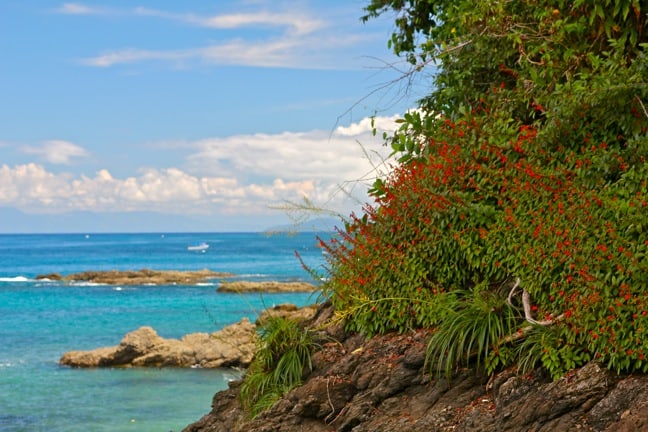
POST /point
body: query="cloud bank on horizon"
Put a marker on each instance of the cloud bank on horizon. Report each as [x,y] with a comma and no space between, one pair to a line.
[243,174]
[227,109]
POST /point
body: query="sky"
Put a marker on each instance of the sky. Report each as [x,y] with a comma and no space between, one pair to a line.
[123,115]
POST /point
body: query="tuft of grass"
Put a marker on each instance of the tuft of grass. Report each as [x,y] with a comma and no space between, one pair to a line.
[472,330]
[532,349]
[282,357]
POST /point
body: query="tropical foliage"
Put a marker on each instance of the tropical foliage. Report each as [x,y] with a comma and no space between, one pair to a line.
[520,193]
[283,355]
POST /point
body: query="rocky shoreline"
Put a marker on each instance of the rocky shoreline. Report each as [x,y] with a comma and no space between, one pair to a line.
[381,384]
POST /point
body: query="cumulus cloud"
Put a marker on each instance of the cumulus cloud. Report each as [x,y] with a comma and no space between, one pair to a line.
[346,154]
[31,185]
[366,125]
[57,151]
[245,174]
[171,190]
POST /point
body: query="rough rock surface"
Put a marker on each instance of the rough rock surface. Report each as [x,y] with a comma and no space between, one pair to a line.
[265,286]
[138,277]
[381,385]
[233,346]
[288,310]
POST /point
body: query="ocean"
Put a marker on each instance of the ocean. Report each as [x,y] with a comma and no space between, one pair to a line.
[40,320]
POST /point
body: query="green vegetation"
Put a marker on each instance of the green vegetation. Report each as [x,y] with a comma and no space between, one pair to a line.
[515,221]
[476,325]
[282,357]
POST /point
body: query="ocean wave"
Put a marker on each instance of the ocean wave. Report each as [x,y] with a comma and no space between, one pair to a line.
[16,279]
[206,284]
[7,364]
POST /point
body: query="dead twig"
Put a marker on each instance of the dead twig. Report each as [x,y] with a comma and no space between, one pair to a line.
[526,304]
[643,107]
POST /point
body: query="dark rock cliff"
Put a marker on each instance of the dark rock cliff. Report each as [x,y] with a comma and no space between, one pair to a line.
[380,384]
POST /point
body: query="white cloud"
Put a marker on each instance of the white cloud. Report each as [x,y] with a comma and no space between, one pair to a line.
[244,174]
[330,156]
[298,24]
[282,52]
[366,125]
[125,56]
[303,41]
[57,151]
[32,187]
[78,9]
[301,156]
[264,54]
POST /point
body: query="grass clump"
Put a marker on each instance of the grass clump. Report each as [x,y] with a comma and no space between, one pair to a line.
[283,355]
[475,329]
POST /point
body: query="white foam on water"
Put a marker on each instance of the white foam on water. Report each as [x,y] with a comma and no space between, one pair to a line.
[15,279]
[84,283]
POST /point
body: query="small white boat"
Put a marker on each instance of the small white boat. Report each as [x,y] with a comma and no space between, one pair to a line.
[198,247]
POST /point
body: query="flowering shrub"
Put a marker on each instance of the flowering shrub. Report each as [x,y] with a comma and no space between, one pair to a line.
[466,212]
[529,183]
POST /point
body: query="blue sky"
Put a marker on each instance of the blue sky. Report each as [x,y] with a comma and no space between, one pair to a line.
[208,112]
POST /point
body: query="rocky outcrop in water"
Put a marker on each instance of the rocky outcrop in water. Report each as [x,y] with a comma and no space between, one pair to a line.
[265,286]
[233,346]
[167,277]
[360,385]
[138,277]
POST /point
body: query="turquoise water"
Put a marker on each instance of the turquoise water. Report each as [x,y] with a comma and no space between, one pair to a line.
[40,320]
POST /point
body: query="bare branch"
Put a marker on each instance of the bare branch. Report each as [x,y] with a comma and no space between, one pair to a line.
[510,295]
[454,48]
[643,107]
[526,304]
[328,394]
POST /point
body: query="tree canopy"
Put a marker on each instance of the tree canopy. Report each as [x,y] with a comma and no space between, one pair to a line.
[515,221]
